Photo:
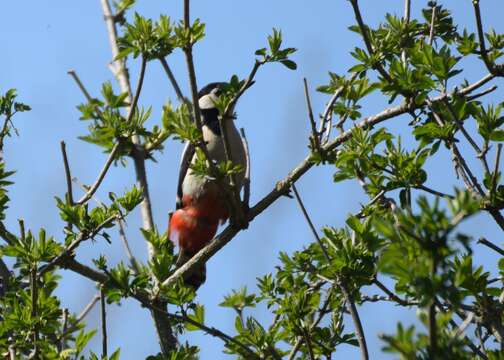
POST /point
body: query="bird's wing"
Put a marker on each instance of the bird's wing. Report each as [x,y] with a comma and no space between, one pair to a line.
[185,161]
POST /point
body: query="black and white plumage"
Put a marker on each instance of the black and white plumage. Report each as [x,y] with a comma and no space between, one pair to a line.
[200,203]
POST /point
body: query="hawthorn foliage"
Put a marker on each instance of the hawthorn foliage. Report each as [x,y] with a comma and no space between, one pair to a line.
[412,239]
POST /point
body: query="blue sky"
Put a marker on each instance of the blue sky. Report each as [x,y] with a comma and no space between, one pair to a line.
[42,40]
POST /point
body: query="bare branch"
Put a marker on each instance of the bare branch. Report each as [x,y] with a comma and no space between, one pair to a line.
[482,93]
[248,83]
[68,175]
[390,294]
[496,70]
[434,192]
[118,66]
[496,171]
[367,41]
[79,83]
[101,176]
[173,81]
[310,223]
[315,137]
[432,25]
[469,138]
[491,245]
[103,322]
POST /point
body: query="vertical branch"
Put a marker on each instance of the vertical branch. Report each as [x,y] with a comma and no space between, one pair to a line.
[432,25]
[315,135]
[173,81]
[163,326]
[406,19]
[34,311]
[356,320]
[118,67]
[68,175]
[103,322]
[496,171]
[494,69]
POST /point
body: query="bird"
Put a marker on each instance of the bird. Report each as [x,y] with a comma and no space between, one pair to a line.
[200,205]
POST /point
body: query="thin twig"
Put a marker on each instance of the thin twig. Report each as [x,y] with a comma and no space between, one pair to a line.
[103,322]
[310,223]
[491,66]
[367,41]
[373,201]
[434,192]
[468,137]
[495,174]
[140,82]
[248,83]
[315,135]
[68,175]
[482,93]
[81,86]
[173,81]
[390,294]
[326,123]
[88,308]
[101,176]
[491,245]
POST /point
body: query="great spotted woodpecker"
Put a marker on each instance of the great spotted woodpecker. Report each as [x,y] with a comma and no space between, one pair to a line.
[200,204]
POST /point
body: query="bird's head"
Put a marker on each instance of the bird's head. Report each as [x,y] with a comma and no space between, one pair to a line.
[209,94]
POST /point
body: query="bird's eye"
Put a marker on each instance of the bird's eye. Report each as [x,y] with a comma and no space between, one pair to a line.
[217,92]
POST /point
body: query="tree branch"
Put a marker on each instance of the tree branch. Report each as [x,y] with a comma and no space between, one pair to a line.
[163,327]
[100,177]
[491,245]
[173,81]
[496,70]
[283,186]
[103,322]
[68,175]
[315,137]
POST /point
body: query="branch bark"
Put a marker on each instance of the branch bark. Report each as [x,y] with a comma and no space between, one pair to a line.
[163,327]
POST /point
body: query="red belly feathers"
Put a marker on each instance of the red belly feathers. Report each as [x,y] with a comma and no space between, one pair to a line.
[195,224]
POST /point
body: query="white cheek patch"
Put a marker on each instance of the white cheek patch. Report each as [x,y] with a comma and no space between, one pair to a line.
[207,101]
